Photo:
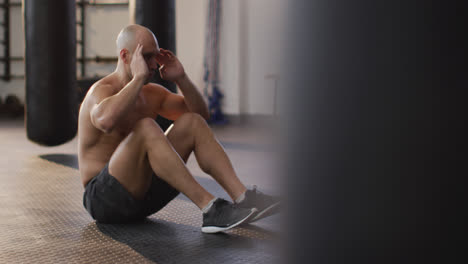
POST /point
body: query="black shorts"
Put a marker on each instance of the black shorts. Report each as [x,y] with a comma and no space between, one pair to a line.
[107,201]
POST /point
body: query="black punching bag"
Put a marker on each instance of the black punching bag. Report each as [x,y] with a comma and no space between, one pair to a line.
[51,97]
[159,17]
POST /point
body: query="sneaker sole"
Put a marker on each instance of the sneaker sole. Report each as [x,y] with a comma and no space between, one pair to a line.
[216,229]
[264,213]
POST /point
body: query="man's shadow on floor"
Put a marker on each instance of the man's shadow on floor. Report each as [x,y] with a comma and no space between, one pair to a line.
[166,242]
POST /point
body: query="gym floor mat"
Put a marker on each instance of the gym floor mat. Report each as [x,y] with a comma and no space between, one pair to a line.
[43,221]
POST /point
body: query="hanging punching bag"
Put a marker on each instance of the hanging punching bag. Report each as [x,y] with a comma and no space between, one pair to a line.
[159,17]
[50,58]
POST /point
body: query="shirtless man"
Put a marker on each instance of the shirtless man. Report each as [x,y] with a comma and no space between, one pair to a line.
[130,168]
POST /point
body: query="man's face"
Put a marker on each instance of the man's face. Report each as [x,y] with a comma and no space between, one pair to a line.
[150,52]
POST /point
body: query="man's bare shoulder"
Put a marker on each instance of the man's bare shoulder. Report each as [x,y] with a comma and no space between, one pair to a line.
[100,90]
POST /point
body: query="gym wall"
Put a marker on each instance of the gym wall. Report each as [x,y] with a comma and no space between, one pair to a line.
[251,39]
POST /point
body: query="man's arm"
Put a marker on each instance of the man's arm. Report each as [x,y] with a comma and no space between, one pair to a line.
[192,97]
[173,105]
[107,111]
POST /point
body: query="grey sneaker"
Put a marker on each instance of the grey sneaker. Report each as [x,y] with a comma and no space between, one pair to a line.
[224,215]
[266,205]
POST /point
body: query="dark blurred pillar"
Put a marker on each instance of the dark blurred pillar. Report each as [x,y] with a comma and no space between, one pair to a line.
[50,40]
[159,17]
[375,131]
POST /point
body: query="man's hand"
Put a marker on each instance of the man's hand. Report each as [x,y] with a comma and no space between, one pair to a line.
[171,69]
[138,64]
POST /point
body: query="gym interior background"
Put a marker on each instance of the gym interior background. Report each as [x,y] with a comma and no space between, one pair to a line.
[249,73]
[375,134]
[36,195]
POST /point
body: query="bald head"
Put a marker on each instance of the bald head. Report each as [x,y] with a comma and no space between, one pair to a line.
[127,41]
[131,35]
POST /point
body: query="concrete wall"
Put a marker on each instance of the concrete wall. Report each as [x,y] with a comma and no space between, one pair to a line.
[16,50]
[103,23]
[252,37]
[261,39]
[251,40]
[190,37]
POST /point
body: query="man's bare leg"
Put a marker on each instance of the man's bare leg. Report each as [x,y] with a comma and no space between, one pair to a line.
[146,149]
[192,133]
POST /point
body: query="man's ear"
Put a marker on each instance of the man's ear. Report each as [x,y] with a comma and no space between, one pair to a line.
[124,56]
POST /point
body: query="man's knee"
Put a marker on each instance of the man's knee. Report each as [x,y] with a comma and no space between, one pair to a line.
[148,128]
[190,120]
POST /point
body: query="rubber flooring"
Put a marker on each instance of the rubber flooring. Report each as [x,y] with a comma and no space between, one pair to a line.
[42,219]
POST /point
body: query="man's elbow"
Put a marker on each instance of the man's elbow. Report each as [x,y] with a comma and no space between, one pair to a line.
[106,128]
[104,124]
